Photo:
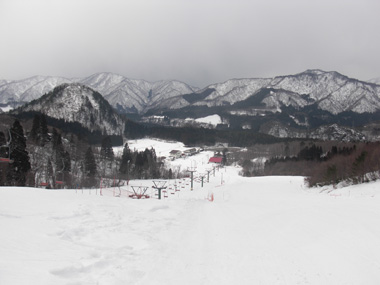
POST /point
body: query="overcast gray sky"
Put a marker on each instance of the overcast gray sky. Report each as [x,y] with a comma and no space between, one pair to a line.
[196,41]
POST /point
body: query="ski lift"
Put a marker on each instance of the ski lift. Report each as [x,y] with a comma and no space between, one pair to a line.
[3,158]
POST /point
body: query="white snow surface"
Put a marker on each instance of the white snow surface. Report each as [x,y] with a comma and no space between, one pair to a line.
[6,109]
[263,230]
[162,147]
[212,120]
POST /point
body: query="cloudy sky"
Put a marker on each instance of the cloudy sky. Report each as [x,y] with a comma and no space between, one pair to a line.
[196,41]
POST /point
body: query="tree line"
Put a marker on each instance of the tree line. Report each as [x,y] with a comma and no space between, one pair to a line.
[43,157]
[354,164]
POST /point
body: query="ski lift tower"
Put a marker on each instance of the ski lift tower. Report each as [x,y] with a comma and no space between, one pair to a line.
[159,185]
[139,192]
[191,170]
[208,174]
[202,176]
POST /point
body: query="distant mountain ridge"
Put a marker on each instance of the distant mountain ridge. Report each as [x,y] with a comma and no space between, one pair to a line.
[124,94]
[328,91]
[310,104]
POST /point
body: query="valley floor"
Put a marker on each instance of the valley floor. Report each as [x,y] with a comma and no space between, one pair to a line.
[267,230]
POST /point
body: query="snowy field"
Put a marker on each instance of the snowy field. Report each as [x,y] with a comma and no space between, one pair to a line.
[162,147]
[268,230]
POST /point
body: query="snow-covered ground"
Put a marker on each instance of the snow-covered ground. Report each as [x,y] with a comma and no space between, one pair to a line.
[264,230]
[162,147]
[213,120]
[6,109]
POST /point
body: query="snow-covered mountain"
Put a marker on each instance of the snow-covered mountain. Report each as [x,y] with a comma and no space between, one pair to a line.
[329,91]
[130,95]
[75,102]
[28,89]
[135,95]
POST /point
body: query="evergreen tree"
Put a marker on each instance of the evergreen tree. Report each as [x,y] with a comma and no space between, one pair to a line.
[224,156]
[67,161]
[4,153]
[4,150]
[35,132]
[170,173]
[3,140]
[43,130]
[55,138]
[58,151]
[139,164]
[106,150]
[126,160]
[50,174]
[90,167]
[21,165]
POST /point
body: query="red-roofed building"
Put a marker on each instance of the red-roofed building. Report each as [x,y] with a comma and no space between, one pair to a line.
[216,159]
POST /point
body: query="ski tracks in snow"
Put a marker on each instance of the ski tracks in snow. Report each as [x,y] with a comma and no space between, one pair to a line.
[113,248]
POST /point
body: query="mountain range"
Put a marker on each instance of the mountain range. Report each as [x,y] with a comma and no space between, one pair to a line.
[330,91]
[307,100]
[124,94]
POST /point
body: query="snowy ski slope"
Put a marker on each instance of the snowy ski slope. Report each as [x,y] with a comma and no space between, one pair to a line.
[264,230]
